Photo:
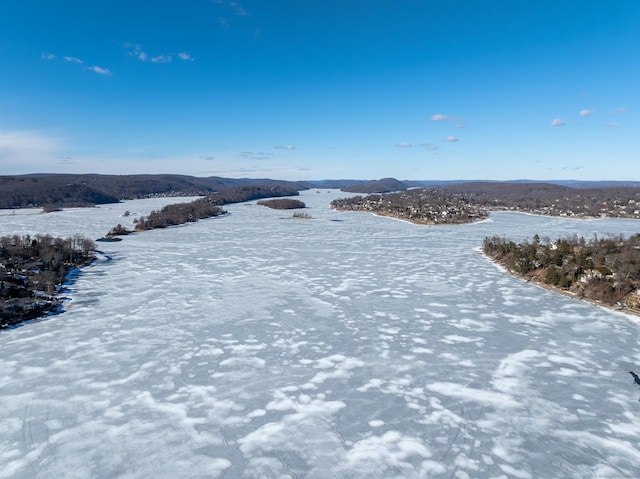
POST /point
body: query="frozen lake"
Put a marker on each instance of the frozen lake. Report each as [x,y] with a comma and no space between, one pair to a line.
[347,346]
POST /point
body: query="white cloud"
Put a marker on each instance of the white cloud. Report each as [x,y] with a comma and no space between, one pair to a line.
[451,139]
[255,155]
[619,111]
[557,122]
[404,144]
[27,151]
[70,59]
[100,70]
[586,112]
[441,117]
[26,140]
[613,124]
[429,146]
[162,59]
[288,147]
[135,50]
[237,8]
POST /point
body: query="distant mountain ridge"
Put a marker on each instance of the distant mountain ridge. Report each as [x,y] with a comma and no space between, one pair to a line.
[68,190]
[386,185]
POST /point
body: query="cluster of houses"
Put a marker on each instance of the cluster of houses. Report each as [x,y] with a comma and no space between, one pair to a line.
[604,208]
[426,210]
[25,293]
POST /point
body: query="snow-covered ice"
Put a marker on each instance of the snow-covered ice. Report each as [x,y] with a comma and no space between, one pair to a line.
[347,346]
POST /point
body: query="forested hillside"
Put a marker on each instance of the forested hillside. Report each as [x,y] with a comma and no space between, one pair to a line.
[471,201]
[32,268]
[89,190]
[601,269]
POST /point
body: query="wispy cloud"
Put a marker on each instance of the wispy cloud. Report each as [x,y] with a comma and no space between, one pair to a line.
[233,5]
[586,112]
[73,60]
[27,150]
[404,144]
[257,155]
[287,147]
[162,59]
[429,146]
[207,158]
[451,139]
[100,70]
[78,61]
[237,9]
[135,50]
[619,111]
[558,122]
[441,117]
[613,124]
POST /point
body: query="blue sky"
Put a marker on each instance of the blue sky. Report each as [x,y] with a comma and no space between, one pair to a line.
[309,89]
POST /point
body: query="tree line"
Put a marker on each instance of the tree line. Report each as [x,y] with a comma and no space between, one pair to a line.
[602,269]
[424,205]
[470,201]
[283,204]
[208,206]
[52,191]
[32,270]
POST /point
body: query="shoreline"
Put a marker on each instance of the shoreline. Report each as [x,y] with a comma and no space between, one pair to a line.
[413,222]
[55,304]
[634,315]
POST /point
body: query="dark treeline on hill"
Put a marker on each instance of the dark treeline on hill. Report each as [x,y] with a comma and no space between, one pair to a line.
[385,185]
[68,190]
[552,199]
[283,204]
[209,206]
[32,269]
[475,200]
[601,269]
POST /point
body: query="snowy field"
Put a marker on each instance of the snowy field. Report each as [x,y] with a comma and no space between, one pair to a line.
[347,346]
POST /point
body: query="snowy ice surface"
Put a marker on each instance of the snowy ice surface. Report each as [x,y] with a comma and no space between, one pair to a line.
[346,346]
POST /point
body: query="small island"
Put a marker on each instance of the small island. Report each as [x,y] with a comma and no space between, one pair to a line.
[605,271]
[206,207]
[422,206]
[283,204]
